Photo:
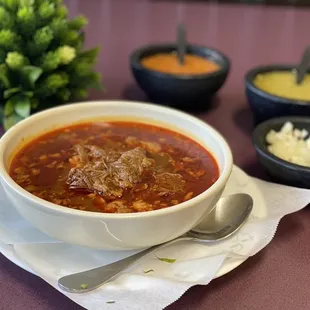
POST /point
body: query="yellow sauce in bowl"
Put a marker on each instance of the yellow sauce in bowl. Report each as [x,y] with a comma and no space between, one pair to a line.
[283,84]
[168,63]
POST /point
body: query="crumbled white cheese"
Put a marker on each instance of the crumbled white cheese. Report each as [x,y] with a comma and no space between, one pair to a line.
[290,144]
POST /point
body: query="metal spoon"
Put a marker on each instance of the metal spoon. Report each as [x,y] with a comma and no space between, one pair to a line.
[303,66]
[226,218]
[181,43]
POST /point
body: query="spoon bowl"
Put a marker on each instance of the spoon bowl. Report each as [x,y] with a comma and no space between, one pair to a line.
[228,216]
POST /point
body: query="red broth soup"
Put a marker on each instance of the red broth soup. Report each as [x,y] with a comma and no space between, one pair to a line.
[114,167]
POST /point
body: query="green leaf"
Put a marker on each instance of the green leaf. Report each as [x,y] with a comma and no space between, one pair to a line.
[34,103]
[167,260]
[93,80]
[9,92]
[29,93]
[4,75]
[9,107]
[147,271]
[77,23]
[90,55]
[11,120]
[31,74]
[84,286]
[11,4]
[22,106]
[64,94]
[110,302]
[27,2]
[79,93]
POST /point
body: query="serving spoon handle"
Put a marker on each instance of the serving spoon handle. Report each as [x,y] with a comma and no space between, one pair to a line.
[181,43]
[303,66]
[89,280]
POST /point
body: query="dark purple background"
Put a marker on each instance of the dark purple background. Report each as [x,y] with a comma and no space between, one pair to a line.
[278,277]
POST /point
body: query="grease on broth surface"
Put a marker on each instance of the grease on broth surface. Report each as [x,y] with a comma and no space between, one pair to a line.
[168,63]
[114,167]
[283,84]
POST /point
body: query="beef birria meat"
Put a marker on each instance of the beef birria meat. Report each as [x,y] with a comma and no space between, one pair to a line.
[108,173]
[130,166]
[168,183]
[97,181]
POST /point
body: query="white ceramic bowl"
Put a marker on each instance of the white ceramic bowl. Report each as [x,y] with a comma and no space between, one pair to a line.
[113,231]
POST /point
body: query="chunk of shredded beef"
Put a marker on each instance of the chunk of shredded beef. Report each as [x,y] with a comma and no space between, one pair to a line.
[108,173]
[168,183]
[130,166]
[98,181]
[95,152]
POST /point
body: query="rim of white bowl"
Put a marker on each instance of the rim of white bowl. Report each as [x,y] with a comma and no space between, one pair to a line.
[54,208]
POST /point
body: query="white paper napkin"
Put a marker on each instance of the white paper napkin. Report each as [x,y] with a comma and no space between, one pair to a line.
[196,263]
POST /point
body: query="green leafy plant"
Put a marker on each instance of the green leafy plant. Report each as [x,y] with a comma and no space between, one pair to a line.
[41,59]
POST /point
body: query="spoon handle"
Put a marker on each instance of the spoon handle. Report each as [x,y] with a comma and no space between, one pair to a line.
[181,43]
[303,66]
[89,280]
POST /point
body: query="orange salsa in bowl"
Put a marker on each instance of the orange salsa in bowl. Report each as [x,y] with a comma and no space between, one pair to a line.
[168,63]
[188,86]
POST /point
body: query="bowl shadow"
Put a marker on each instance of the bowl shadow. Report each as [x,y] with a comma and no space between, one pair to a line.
[243,118]
[255,169]
[133,92]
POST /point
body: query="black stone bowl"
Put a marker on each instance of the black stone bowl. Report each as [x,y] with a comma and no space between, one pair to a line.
[180,91]
[280,170]
[265,106]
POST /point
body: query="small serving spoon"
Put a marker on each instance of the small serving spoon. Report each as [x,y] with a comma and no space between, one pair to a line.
[227,217]
[181,43]
[303,66]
